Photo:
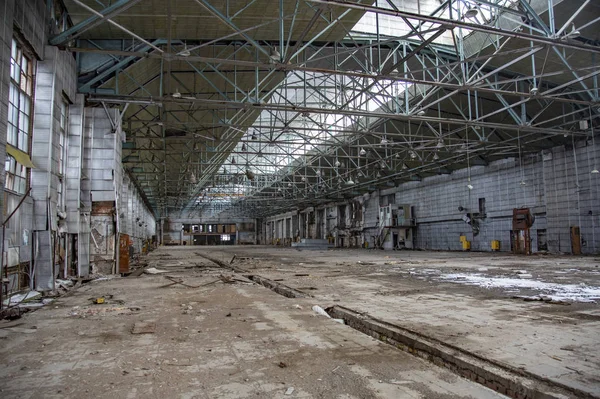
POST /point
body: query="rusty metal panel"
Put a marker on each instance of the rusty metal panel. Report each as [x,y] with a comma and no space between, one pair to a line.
[123,253]
[103,208]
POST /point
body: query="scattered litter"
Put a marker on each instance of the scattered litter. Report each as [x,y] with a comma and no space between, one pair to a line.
[153,270]
[541,298]
[176,280]
[297,307]
[21,329]
[341,321]
[144,327]
[525,275]
[301,274]
[282,365]
[334,370]
[65,284]
[27,296]
[321,311]
[289,391]
[228,315]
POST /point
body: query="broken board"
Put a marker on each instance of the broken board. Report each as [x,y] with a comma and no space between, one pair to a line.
[144,327]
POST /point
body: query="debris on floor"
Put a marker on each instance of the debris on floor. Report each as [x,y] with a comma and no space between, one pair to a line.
[153,270]
[321,311]
[144,327]
[177,281]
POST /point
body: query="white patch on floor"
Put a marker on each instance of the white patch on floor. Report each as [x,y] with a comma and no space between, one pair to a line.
[555,292]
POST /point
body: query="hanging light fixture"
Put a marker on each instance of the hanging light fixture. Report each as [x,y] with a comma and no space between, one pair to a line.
[440,144]
[243,147]
[362,152]
[384,140]
[413,154]
[232,160]
[274,55]
[185,52]
[472,12]
[176,94]
[436,156]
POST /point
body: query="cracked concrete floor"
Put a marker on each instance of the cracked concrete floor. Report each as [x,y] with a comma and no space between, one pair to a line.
[218,340]
[555,341]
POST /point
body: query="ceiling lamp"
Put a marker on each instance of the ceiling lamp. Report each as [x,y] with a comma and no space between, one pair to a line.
[404,167]
[350,182]
[253,136]
[594,171]
[472,12]
[232,160]
[243,147]
[436,156]
[470,186]
[440,144]
[522,183]
[378,174]
[413,154]
[384,140]
[177,94]
[534,91]
[185,52]
[573,33]
[362,152]
[337,163]
[303,178]
[275,56]
[289,184]
[421,112]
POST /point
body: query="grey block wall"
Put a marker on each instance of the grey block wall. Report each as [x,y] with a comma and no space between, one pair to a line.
[55,82]
[559,190]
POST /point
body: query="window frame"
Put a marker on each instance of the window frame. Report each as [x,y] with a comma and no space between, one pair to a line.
[19,130]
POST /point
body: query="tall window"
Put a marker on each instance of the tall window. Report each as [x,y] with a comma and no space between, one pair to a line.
[62,155]
[20,98]
[19,116]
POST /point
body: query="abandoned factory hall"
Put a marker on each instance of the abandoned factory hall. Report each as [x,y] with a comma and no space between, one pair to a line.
[317,199]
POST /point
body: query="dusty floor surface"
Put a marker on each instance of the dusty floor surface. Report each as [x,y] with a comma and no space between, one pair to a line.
[435,293]
[216,340]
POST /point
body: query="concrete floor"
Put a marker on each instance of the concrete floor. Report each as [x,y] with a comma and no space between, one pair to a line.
[242,340]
